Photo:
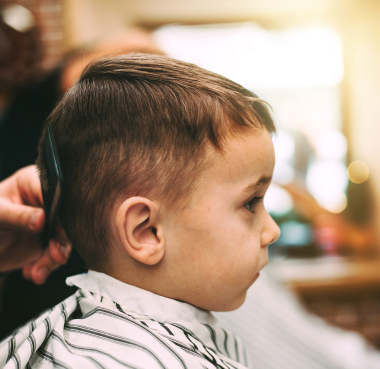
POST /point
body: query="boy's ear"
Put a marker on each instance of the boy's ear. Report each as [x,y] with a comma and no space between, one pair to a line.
[138,230]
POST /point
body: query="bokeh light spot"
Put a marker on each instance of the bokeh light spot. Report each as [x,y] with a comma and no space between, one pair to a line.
[332,145]
[358,171]
[336,202]
[326,181]
[278,201]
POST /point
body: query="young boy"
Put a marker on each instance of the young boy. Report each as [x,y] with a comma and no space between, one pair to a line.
[165,168]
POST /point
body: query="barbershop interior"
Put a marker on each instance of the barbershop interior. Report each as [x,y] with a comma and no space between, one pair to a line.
[317,64]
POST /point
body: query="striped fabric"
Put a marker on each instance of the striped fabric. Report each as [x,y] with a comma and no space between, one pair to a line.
[109,324]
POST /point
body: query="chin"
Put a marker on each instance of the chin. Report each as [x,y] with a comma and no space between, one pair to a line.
[238,301]
[255,277]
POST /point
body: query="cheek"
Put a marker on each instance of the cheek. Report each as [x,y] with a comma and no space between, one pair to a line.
[246,253]
[238,250]
[241,231]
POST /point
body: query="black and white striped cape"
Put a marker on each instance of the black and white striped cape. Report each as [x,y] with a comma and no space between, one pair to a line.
[109,324]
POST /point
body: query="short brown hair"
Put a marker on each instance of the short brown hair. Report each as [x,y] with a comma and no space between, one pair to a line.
[135,125]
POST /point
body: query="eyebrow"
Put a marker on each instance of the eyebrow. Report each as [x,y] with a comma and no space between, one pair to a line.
[254,186]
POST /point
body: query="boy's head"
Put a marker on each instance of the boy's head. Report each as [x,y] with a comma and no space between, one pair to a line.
[165,166]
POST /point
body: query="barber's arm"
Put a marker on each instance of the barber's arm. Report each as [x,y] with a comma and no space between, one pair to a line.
[21,220]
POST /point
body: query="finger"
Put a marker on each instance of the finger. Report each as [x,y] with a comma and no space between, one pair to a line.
[26,271]
[59,252]
[60,246]
[21,217]
[41,270]
[29,185]
[55,255]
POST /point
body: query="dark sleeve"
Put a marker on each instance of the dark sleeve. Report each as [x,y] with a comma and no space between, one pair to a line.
[22,122]
[20,129]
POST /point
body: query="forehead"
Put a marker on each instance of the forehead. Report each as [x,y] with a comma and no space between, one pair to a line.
[244,161]
[245,157]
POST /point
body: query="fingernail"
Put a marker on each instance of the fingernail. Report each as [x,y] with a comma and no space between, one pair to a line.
[43,273]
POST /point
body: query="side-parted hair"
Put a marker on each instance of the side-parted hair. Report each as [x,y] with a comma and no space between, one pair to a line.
[140,124]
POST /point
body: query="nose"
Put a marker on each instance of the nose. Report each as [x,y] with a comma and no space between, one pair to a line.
[270,231]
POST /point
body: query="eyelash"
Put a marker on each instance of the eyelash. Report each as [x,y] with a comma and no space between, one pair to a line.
[251,204]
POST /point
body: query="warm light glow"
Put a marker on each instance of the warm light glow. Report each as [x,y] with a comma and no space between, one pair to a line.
[18,18]
[332,145]
[358,171]
[335,202]
[283,173]
[327,182]
[308,57]
[277,201]
[284,146]
[257,58]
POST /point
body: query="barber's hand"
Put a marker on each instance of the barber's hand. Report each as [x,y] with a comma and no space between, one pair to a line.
[21,220]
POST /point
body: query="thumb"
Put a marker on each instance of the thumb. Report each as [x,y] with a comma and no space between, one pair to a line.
[21,217]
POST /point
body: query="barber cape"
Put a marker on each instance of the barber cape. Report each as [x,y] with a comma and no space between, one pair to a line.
[109,324]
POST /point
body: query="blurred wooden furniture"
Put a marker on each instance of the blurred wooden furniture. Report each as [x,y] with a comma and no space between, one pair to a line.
[344,292]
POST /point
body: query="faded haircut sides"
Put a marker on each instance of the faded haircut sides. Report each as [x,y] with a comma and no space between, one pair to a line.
[140,124]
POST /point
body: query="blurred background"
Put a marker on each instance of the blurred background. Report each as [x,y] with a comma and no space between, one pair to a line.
[316,62]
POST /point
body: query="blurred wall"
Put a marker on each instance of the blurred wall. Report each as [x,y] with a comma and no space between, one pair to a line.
[46,22]
[360,31]
[86,20]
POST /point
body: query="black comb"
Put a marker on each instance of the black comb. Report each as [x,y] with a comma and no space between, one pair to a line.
[52,198]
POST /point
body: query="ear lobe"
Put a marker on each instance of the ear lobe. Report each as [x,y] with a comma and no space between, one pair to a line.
[138,230]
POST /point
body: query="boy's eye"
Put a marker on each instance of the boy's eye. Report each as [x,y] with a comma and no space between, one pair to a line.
[250,205]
